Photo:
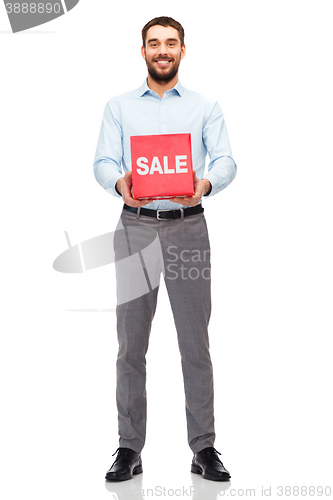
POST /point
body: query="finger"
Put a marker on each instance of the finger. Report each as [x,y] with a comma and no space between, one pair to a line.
[183,201]
[145,202]
[132,202]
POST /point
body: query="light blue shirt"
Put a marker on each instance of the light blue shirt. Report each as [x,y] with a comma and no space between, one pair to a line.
[143,112]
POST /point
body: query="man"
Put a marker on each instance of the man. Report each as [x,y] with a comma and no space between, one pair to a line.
[163,106]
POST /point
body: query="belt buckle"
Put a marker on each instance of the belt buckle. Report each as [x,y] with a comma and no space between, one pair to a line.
[158,215]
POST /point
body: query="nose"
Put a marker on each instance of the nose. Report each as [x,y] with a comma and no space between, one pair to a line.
[163,49]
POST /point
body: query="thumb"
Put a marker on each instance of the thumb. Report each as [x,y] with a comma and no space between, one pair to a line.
[195,178]
[128,176]
[128,179]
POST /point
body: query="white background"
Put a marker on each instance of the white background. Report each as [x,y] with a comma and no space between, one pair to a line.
[268,64]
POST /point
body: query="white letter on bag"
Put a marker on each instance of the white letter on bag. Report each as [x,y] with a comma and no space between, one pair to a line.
[167,170]
[141,164]
[156,166]
[180,163]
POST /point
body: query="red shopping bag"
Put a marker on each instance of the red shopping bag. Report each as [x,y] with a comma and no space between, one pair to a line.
[161,166]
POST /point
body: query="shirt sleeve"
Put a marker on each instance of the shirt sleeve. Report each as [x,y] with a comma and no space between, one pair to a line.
[109,151]
[222,168]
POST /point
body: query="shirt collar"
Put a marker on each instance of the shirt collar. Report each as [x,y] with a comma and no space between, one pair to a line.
[144,89]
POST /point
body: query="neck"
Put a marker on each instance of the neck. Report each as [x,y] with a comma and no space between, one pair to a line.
[160,87]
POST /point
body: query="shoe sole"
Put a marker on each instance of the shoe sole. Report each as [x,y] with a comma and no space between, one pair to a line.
[137,470]
[196,470]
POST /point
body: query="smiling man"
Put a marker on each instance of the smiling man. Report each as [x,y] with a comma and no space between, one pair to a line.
[163,56]
[163,106]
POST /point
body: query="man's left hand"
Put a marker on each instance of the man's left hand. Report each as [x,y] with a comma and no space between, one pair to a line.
[201,187]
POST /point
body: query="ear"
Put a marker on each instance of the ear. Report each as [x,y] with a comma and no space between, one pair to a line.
[143,52]
[182,52]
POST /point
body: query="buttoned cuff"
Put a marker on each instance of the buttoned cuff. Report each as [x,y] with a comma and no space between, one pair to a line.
[221,174]
[214,182]
[110,186]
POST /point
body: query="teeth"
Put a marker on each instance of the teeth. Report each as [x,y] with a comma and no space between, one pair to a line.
[162,62]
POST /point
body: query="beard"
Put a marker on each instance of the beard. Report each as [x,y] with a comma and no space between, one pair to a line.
[163,77]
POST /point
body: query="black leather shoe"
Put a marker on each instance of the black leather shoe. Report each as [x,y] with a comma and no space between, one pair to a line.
[207,463]
[127,464]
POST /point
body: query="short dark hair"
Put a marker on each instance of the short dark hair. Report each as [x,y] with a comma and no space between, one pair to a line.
[164,21]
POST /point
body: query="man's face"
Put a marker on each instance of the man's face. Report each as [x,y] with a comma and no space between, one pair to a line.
[162,53]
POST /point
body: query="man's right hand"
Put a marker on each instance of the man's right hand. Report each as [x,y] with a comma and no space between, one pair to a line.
[124,187]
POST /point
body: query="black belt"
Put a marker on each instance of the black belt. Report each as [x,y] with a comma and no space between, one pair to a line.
[167,214]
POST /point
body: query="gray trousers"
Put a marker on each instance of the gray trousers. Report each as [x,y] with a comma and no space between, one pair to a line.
[145,248]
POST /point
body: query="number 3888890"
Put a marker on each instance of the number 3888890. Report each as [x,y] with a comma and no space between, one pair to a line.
[33,8]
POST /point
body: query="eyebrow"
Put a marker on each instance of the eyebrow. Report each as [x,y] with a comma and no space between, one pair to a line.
[168,40]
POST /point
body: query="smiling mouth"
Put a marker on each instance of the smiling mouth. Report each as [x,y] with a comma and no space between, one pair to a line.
[163,62]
